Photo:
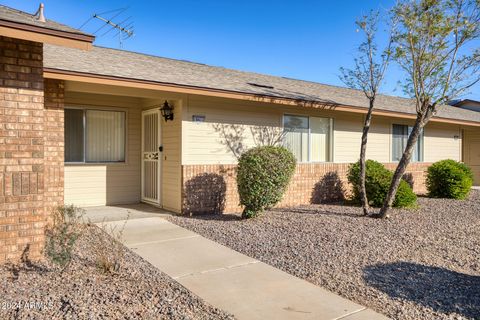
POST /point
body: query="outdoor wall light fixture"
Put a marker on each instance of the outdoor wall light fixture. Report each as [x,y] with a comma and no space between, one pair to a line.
[167,111]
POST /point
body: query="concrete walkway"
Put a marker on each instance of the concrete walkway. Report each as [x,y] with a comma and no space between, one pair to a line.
[123,212]
[245,287]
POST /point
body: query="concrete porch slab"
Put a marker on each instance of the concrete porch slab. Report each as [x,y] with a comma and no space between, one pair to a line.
[122,212]
[138,232]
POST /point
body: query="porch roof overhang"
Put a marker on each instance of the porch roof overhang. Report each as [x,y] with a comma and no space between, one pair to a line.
[45,35]
[81,77]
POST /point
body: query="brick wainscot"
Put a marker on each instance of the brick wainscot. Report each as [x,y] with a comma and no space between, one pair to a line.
[213,188]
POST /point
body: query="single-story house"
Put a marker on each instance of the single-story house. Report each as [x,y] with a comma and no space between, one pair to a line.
[83,125]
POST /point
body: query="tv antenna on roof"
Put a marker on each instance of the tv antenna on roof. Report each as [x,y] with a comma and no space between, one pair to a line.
[124,28]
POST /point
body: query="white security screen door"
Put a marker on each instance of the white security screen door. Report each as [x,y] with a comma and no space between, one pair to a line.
[151,156]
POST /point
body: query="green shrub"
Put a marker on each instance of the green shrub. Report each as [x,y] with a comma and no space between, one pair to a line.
[405,197]
[377,183]
[449,179]
[62,234]
[262,177]
[377,177]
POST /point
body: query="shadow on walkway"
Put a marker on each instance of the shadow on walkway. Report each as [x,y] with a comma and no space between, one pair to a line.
[440,289]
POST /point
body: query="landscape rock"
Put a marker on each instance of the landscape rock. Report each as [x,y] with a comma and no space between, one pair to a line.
[419,264]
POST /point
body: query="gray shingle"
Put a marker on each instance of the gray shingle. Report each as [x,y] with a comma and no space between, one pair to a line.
[13,15]
[125,64]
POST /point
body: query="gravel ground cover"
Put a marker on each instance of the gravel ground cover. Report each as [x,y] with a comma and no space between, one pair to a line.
[419,264]
[137,291]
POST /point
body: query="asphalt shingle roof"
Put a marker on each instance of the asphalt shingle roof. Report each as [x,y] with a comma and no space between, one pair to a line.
[125,64]
[14,15]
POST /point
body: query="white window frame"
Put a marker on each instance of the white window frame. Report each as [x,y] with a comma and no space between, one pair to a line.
[330,136]
[99,108]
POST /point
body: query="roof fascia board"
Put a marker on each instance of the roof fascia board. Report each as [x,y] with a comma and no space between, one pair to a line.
[182,89]
[37,34]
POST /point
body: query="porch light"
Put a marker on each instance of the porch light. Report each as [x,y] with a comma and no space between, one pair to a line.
[167,111]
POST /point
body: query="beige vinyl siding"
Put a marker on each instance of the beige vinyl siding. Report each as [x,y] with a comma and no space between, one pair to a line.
[203,143]
[193,143]
[346,137]
[171,184]
[440,142]
[81,193]
[471,152]
[108,183]
[379,140]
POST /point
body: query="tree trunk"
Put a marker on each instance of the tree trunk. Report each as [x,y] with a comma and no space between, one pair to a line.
[402,166]
[363,152]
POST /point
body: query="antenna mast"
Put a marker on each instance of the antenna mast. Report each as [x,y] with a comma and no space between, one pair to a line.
[123,33]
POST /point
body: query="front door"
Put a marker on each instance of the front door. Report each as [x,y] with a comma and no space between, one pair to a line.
[151,156]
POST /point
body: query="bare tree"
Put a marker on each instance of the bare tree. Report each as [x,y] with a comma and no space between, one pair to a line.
[431,44]
[367,75]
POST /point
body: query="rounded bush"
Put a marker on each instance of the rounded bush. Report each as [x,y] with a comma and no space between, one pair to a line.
[262,177]
[377,183]
[449,179]
[405,197]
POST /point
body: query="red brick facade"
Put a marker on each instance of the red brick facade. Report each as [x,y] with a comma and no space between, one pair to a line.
[54,143]
[212,188]
[29,148]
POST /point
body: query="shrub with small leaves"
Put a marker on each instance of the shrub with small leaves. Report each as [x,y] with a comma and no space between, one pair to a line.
[262,177]
[62,234]
[405,197]
[110,252]
[449,179]
[377,183]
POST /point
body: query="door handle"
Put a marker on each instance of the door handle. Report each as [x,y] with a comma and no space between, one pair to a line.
[160,148]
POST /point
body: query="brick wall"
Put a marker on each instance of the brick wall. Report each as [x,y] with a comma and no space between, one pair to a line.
[54,143]
[212,188]
[22,148]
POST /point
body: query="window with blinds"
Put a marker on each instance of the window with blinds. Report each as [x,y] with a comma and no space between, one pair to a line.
[400,134]
[94,135]
[308,137]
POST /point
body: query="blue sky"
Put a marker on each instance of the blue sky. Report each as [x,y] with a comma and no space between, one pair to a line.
[301,39]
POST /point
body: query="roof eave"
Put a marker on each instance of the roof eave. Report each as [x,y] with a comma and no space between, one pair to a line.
[466,101]
[45,35]
[67,75]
